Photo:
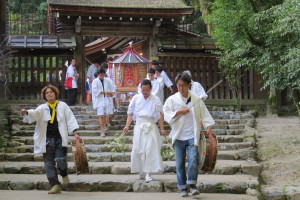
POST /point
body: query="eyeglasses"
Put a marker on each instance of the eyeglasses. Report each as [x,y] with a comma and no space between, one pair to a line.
[183,85]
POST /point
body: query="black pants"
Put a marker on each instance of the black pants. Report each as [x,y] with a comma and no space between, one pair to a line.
[55,156]
[71,96]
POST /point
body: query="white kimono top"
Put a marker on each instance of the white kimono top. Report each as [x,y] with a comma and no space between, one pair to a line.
[198,109]
[41,115]
[98,99]
[198,90]
[157,88]
[149,108]
[71,71]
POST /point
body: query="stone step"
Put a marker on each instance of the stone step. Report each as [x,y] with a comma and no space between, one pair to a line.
[242,154]
[130,132]
[28,140]
[223,167]
[19,195]
[234,184]
[108,148]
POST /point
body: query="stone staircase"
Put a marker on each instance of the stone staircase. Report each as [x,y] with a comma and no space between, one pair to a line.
[236,171]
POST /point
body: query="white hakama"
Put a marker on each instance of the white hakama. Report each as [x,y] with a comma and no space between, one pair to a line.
[145,154]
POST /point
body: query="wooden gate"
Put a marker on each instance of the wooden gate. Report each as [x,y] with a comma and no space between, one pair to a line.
[204,69]
[29,74]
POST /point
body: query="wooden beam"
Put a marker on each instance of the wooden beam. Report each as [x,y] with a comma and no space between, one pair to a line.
[178,54]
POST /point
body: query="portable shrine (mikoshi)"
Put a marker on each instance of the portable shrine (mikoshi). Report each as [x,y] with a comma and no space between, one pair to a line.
[128,70]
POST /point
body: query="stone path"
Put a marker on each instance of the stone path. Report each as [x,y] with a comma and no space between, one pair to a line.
[236,171]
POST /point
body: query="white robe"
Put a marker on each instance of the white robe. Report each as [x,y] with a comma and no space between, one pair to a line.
[199,110]
[157,89]
[41,115]
[166,79]
[145,154]
[98,99]
[198,90]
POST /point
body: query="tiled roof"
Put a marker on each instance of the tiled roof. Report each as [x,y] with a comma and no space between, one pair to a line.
[158,4]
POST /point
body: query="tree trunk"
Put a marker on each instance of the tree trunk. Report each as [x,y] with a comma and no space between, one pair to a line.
[272,102]
[296,98]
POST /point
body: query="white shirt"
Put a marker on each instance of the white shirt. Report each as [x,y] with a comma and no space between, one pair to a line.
[198,110]
[71,71]
[97,87]
[149,108]
[91,71]
[156,90]
[198,90]
[187,130]
[166,79]
[41,115]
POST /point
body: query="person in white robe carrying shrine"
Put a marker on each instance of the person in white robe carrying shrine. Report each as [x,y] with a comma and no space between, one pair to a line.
[196,87]
[157,87]
[186,113]
[146,110]
[102,91]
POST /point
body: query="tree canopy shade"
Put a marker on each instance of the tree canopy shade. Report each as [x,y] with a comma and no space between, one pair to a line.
[263,35]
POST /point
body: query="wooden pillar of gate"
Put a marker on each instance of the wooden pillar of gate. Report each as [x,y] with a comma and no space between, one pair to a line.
[80,64]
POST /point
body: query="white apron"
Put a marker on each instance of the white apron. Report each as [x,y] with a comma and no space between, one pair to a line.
[145,154]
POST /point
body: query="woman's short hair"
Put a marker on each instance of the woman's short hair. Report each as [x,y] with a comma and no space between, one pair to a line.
[146,82]
[52,88]
[184,77]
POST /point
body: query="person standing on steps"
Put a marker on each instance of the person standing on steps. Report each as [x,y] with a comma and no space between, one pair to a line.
[186,113]
[72,92]
[102,91]
[146,110]
[54,122]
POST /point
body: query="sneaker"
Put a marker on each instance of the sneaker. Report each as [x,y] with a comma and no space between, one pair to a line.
[102,134]
[142,175]
[184,193]
[148,178]
[194,190]
[66,180]
[56,189]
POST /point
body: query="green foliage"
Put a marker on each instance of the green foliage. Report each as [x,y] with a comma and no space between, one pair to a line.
[167,152]
[28,17]
[259,35]
[118,144]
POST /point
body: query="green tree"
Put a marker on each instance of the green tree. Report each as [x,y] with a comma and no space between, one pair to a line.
[261,35]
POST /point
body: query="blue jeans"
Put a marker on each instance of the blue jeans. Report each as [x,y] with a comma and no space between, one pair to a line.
[180,148]
[56,155]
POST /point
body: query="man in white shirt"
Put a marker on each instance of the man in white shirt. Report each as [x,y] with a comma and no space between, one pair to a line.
[166,80]
[196,87]
[157,87]
[186,113]
[146,109]
[102,91]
